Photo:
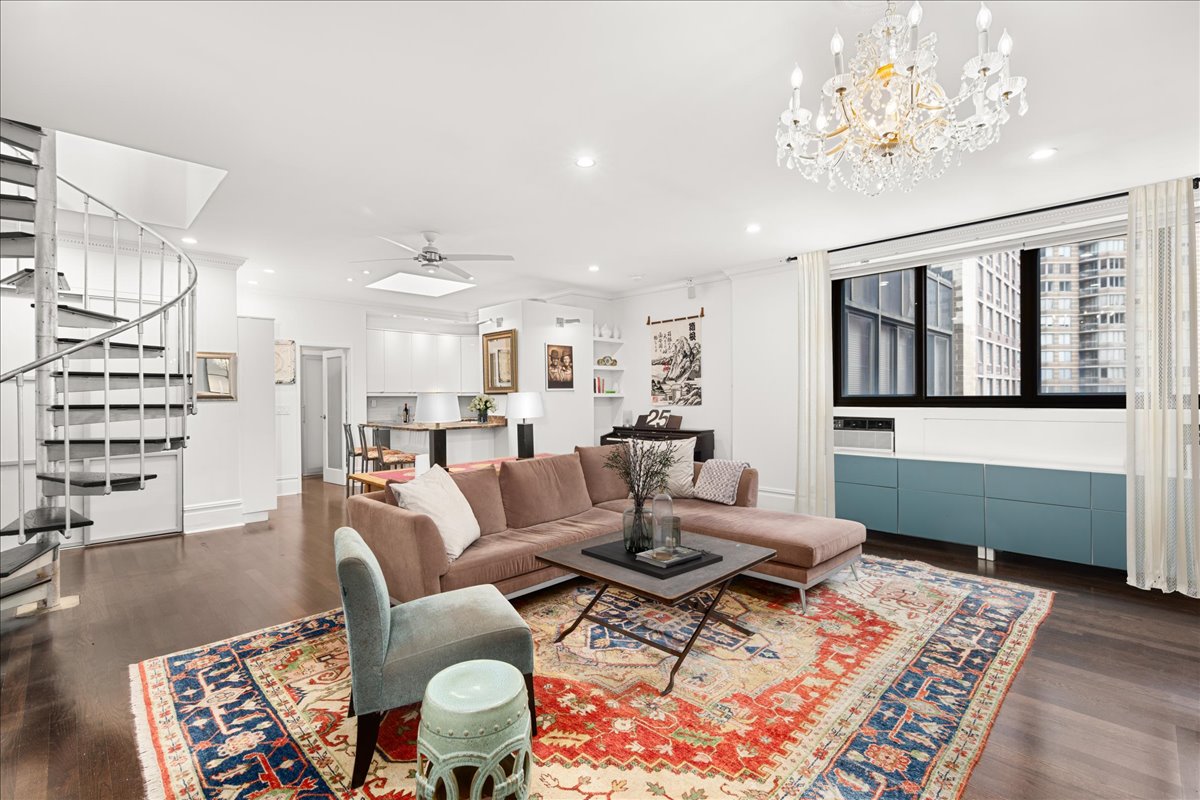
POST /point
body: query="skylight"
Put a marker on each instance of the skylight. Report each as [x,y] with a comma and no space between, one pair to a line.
[425,285]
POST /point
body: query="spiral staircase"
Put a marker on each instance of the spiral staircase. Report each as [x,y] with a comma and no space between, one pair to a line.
[111,374]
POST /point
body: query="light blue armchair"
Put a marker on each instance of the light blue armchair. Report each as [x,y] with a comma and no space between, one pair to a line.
[395,651]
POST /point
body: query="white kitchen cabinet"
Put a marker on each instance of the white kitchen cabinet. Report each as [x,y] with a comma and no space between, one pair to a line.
[375,361]
[398,371]
[449,363]
[424,362]
[472,365]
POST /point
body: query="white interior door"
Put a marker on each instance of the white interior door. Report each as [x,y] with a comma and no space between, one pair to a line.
[312,427]
[333,413]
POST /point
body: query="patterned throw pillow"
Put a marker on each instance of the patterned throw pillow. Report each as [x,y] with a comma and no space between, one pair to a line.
[718,481]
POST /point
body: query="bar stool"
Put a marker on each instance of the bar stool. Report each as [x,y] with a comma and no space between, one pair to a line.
[370,454]
[353,455]
[387,456]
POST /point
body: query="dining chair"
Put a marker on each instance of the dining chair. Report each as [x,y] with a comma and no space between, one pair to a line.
[396,650]
[353,456]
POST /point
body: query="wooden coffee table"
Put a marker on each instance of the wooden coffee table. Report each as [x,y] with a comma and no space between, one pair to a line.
[680,590]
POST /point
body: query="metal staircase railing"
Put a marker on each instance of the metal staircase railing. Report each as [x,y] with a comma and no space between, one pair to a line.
[168,319]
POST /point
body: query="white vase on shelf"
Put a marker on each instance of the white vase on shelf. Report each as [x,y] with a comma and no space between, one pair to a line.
[596,331]
[605,331]
[616,332]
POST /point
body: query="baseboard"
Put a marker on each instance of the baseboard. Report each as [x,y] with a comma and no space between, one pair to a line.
[287,485]
[212,516]
[254,516]
[776,499]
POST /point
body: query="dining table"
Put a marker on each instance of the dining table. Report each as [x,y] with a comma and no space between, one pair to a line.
[373,481]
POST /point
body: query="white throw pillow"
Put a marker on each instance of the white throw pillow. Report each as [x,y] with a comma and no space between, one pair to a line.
[718,480]
[682,474]
[437,495]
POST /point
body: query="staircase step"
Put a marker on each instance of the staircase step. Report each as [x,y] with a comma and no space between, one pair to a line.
[73,317]
[115,349]
[13,560]
[15,169]
[91,413]
[22,281]
[46,519]
[16,244]
[22,135]
[85,482]
[94,448]
[24,589]
[92,381]
[17,208]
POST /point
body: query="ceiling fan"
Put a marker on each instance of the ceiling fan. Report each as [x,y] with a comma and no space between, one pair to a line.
[431,259]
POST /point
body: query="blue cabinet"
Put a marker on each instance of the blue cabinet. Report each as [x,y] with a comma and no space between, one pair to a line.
[942,516]
[873,506]
[1038,529]
[1056,487]
[941,476]
[868,470]
[1108,492]
[1108,538]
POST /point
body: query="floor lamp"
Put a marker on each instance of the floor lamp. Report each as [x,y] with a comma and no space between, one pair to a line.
[524,406]
[435,408]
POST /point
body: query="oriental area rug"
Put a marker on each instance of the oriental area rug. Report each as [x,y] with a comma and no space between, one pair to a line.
[886,689]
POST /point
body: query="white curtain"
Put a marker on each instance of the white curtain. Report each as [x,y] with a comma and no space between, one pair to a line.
[814,464]
[1163,458]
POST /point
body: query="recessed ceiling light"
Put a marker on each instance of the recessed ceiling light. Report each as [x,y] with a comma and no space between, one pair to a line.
[366,272]
[252,283]
[269,271]
[426,319]
[394,316]
[188,240]
[586,162]
[594,268]
[349,280]
[636,277]
[753,227]
[1044,153]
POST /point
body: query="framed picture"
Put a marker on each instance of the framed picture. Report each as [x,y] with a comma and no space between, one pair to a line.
[560,366]
[500,362]
[216,376]
[285,361]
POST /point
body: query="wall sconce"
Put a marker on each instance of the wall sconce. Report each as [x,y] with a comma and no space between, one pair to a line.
[498,320]
[560,322]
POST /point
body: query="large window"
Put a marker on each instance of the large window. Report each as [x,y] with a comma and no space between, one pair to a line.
[951,333]
[1085,336]
[879,331]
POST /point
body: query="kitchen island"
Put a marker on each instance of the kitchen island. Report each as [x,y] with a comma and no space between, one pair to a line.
[466,440]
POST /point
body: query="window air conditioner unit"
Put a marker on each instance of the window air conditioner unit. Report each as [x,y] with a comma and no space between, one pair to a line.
[874,434]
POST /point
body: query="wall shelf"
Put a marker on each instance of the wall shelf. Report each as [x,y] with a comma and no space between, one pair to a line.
[609,369]
[599,340]
[598,396]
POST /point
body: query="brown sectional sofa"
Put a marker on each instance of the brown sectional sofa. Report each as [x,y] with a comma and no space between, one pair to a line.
[534,505]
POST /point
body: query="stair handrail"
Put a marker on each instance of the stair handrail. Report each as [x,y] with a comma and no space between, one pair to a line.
[111,332]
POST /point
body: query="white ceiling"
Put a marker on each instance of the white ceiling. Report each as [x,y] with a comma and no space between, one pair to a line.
[340,121]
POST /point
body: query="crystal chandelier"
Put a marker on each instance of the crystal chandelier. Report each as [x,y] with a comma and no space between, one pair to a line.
[886,123]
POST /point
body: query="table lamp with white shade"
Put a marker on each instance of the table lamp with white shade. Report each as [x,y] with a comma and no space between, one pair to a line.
[435,408]
[524,406]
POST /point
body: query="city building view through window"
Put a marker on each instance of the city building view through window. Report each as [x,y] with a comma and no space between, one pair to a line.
[1082,317]
[972,325]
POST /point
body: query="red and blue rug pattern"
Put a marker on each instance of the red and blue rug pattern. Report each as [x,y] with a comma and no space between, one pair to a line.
[885,690]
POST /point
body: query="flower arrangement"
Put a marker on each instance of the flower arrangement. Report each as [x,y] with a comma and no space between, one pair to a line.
[482,405]
[644,467]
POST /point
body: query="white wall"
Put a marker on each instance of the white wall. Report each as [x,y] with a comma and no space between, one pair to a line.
[568,418]
[765,379]
[212,492]
[256,405]
[716,357]
[310,323]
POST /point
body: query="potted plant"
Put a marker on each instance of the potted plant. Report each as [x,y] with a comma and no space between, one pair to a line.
[482,405]
[643,466]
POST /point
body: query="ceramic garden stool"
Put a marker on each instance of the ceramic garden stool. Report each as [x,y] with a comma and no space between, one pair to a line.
[474,736]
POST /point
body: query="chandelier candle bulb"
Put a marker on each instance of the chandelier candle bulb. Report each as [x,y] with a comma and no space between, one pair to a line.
[835,46]
[982,22]
[914,24]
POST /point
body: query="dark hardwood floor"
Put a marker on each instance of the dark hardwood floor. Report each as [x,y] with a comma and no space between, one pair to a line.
[1107,704]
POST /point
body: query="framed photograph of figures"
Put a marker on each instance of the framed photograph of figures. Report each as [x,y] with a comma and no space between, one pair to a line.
[675,373]
[560,366]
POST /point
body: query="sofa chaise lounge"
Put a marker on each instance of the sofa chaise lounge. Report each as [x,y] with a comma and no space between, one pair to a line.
[531,506]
